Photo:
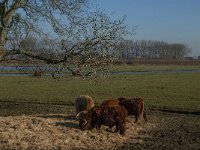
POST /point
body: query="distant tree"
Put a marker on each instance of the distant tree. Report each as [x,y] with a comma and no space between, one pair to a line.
[84,38]
[178,51]
[153,49]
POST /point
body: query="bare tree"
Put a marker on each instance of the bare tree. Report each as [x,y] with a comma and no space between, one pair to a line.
[23,17]
[153,49]
[84,38]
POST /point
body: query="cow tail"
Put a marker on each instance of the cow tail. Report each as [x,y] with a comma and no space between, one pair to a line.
[145,116]
[143,112]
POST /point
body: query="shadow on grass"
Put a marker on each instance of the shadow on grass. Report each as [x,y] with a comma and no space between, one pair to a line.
[69,117]
[18,109]
[172,131]
[68,124]
[70,120]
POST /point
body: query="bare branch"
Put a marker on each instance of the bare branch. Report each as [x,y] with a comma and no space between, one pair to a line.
[81,40]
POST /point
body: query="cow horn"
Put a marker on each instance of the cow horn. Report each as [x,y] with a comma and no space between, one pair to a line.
[85,122]
[80,114]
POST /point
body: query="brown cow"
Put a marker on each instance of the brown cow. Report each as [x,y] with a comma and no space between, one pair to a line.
[37,73]
[83,102]
[104,115]
[134,106]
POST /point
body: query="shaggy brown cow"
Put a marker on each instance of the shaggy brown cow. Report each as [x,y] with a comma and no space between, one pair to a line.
[83,102]
[104,115]
[134,106]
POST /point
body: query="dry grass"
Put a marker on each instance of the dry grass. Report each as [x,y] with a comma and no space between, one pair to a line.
[50,131]
[58,131]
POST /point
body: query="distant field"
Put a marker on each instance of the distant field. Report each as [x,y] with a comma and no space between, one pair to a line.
[153,67]
[173,91]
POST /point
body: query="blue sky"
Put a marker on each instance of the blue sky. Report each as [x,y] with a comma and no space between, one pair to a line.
[173,21]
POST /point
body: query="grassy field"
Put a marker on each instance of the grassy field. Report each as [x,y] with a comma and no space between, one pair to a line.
[146,67]
[173,91]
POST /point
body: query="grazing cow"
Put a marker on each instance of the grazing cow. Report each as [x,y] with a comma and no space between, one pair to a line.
[37,73]
[134,106]
[103,115]
[83,102]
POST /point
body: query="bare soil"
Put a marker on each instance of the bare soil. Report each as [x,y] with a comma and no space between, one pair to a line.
[47,126]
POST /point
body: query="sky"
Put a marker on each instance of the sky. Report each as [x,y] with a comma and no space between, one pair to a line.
[172,21]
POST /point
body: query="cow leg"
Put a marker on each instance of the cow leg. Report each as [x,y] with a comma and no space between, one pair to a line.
[141,115]
[145,116]
[98,126]
[117,128]
[137,118]
[122,131]
[122,128]
[117,124]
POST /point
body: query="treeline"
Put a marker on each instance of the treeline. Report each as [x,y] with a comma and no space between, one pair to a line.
[152,49]
[125,49]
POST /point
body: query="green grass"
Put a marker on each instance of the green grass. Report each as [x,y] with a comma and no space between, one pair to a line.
[174,91]
[145,67]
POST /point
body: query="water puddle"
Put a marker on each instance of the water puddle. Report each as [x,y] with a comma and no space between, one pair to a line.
[28,68]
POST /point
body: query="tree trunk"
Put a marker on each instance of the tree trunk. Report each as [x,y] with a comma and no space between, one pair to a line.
[3,38]
[6,15]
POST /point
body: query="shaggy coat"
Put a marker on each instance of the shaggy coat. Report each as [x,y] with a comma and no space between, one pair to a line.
[113,102]
[104,115]
[134,106]
[83,102]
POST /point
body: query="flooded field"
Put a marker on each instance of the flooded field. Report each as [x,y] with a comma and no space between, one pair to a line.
[29,70]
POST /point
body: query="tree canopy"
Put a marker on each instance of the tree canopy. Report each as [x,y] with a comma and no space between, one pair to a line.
[73,32]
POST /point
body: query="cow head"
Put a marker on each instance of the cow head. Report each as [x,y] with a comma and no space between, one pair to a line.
[84,124]
[89,119]
[81,114]
[85,119]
